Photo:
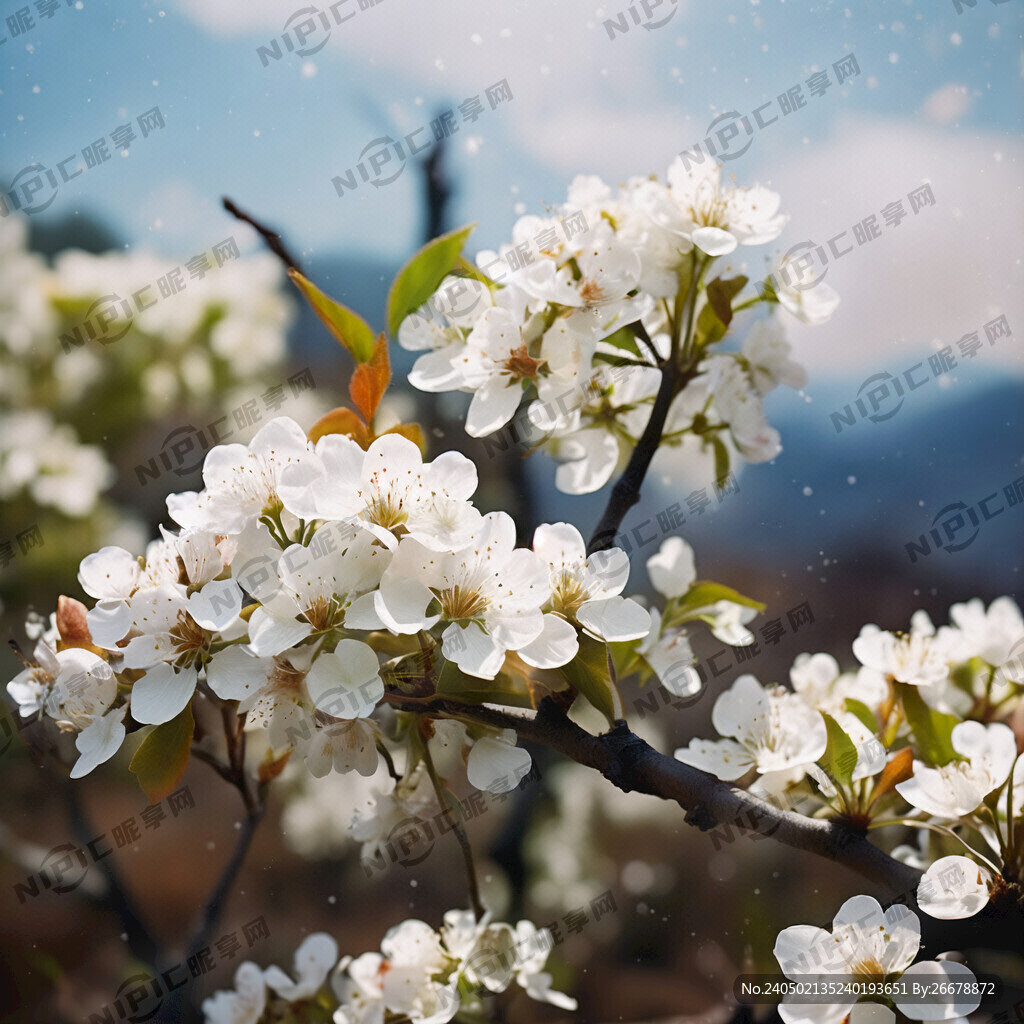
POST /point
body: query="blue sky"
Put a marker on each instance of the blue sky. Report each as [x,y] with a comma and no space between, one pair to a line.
[937,100]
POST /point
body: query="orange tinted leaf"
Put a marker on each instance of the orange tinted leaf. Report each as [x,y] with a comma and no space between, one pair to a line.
[371,379]
[412,432]
[271,769]
[898,770]
[72,626]
[348,327]
[341,421]
[163,755]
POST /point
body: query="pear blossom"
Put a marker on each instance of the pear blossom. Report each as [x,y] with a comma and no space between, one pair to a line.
[770,730]
[308,590]
[343,747]
[865,941]
[530,975]
[584,592]
[496,764]
[958,788]
[72,686]
[489,592]
[741,408]
[766,351]
[582,441]
[314,960]
[99,741]
[439,326]
[494,365]
[714,217]
[954,888]
[672,570]
[817,678]
[793,285]
[917,658]
[387,490]
[244,1005]
[241,481]
[670,657]
[995,634]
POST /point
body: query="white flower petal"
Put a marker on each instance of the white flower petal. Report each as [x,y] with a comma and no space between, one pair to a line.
[161,693]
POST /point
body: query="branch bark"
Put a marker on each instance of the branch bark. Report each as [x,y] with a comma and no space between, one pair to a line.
[626,492]
[633,765]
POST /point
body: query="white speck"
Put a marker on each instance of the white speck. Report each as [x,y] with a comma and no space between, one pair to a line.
[851,480]
[332,899]
[308,69]
[872,82]
[894,58]
[808,491]
[476,38]
[35,89]
[161,14]
[956,39]
[519,209]
[439,63]
[256,132]
[505,33]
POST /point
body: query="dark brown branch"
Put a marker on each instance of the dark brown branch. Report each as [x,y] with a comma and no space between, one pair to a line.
[626,492]
[635,766]
[272,238]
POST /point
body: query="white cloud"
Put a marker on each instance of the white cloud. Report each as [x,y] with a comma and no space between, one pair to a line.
[940,274]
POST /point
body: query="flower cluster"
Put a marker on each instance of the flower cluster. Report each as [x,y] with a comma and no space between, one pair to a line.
[419,975]
[873,945]
[585,321]
[290,570]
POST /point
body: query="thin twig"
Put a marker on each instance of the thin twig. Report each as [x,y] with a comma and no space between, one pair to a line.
[272,238]
[626,492]
[460,834]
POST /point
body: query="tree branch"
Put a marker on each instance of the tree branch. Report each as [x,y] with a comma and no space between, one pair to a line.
[634,766]
[272,238]
[626,492]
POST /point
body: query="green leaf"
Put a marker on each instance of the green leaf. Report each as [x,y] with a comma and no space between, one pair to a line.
[588,673]
[348,327]
[505,688]
[163,755]
[840,757]
[420,277]
[623,338]
[863,713]
[721,292]
[721,460]
[704,594]
[932,729]
[463,268]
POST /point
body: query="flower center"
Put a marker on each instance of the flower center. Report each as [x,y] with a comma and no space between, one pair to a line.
[567,593]
[591,292]
[388,511]
[189,640]
[461,603]
[322,613]
[521,364]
